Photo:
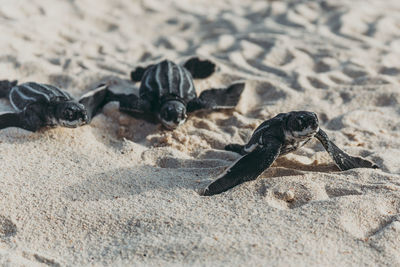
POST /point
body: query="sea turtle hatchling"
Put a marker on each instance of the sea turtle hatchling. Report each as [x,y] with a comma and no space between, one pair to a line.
[167,92]
[39,105]
[275,137]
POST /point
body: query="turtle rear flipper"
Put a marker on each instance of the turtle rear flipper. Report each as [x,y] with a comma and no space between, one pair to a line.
[247,168]
[343,160]
[5,87]
[199,69]
[217,98]
[137,74]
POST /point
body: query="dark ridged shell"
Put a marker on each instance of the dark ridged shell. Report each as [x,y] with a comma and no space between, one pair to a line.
[167,80]
[27,93]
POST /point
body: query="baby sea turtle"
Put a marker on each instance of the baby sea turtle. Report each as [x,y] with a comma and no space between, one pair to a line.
[40,105]
[167,92]
[278,136]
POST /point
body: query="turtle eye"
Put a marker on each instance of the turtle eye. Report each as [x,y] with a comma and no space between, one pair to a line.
[300,122]
[166,115]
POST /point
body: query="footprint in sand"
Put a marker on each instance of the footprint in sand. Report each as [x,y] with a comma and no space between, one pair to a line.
[371,218]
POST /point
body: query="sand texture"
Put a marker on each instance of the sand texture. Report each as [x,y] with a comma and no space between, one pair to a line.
[123,191]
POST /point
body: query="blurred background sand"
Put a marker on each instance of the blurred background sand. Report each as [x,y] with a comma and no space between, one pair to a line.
[123,191]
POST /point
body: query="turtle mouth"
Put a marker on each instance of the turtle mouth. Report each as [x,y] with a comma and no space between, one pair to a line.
[308,132]
[73,124]
[170,125]
[305,132]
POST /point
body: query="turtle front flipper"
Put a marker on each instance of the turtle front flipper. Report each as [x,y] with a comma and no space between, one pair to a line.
[5,87]
[130,103]
[236,148]
[94,100]
[247,168]
[133,105]
[32,118]
[343,160]
[11,120]
[217,98]
[199,69]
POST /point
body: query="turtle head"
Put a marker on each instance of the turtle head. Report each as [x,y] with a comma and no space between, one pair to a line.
[71,114]
[302,124]
[173,114]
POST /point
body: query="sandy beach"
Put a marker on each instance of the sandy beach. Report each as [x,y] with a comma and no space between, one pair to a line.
[122,191]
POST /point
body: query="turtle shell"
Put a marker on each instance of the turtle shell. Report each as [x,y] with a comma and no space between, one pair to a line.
[273,126]
[164,81]
[24,94]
